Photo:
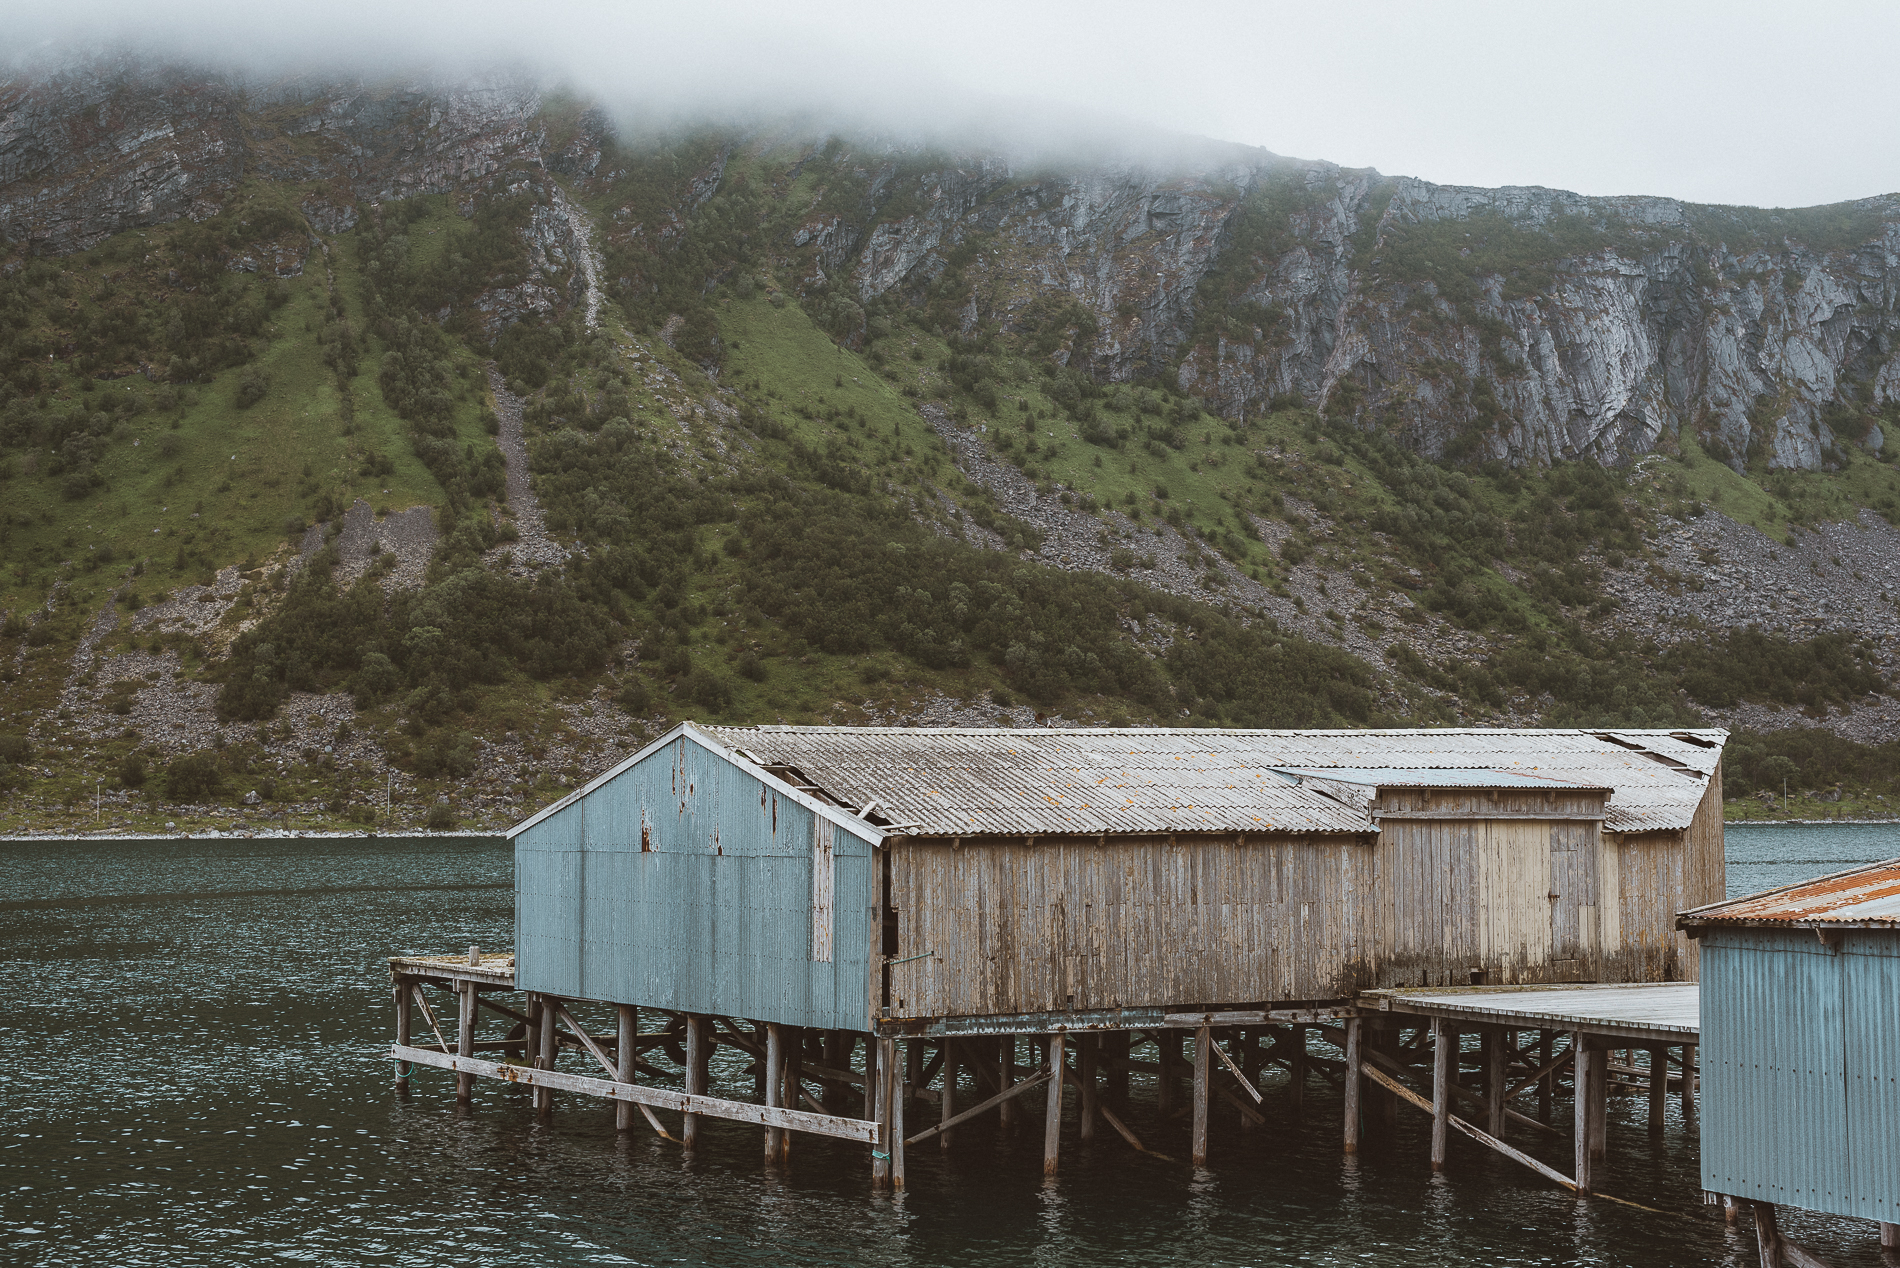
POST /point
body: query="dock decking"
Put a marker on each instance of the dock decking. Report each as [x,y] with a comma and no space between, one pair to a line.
[1642,1012]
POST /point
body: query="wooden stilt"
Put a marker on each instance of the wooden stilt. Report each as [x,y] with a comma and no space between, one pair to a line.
[1889,1236]
[774,1081]
[404,1015]
[1249,1040]
[1118,1045]
[1583,1073]
[1168,1057]
[1689,1088]
[870,1078]
[793,1079]
[1086,1049]
[1768,1235]
[465,1041]
[1731,1209]
[1494,1054]
[1545,1089]
[698,1053]
[1386,1039]
[1203,1076]
[1354,1038]
[1296,1071]
[913,1069]
[1006,1112]
[547,1054]
[1600,1104]
[1444,1049]
[897,1122]
[624,1057]
[1052,1110]
[1658,1088]
[949,1100]
[879,1084]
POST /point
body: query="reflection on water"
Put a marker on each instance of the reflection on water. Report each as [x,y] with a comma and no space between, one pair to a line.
[190,1078]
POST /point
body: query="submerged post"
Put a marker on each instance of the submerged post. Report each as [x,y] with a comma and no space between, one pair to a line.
[1494,1068]
[1688,1087]
[774,1079]
[1296,1072]
[1198,1153]
[1085,1053]
[1444,1049]
[404,1010]
[696,1059]
[1052,1109]
[624,1057]
[897,1121]
[1006,1112]
[1658,1088]
[1586,1074]
[465,1037]
[1354,1038]
[547,1051]
[949,1101]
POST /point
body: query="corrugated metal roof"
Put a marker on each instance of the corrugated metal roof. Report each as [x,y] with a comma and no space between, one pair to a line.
[960,781]
[1868,895]
[1437,777]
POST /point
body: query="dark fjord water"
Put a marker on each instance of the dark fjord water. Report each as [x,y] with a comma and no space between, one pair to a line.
[189,1077]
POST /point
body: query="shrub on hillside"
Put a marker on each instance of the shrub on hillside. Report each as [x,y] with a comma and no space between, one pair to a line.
[194,777]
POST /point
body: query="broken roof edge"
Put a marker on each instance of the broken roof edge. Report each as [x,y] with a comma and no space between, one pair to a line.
[1711,913]
[1482,778]
[690,730]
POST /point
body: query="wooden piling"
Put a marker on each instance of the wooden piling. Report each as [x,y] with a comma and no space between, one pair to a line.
[1203,1075]
[1168,1057]
[1658,1088]
[1006,1112]
[897,1121]
[1494,1050]
[838,1046]
[870,1079]
[949,1099]
[1889,1236]
[793,1080]
[1354,1038]
[547,1052]
[1600,1104]
[1444,1050]
[1590,1071]
[774,1081]
[1689,1088]
[878,1085]
[1545,1087]
[1768,1235]
[1052,1110]
[465,1038]
[404,1016]
[1086,1049]
[698,1054]
[1296,1071]
[1117,1045]
[624,1057]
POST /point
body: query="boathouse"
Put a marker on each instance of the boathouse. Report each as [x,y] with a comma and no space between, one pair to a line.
[946,898]
[1801,1047]
[838,877]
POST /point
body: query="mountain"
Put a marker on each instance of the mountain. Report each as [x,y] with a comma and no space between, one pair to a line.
[508,436]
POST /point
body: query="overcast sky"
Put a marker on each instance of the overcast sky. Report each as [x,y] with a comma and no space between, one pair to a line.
[1776,105]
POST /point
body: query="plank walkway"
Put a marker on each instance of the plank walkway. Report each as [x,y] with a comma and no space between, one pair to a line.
[1644,1012]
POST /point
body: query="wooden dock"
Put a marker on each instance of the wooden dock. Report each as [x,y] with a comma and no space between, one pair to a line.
[1492,1052]
[1592,1031]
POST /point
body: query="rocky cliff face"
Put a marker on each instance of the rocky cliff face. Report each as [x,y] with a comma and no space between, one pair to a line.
[1522,324]
[1526,325]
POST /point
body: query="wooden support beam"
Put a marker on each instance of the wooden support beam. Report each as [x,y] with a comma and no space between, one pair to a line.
[1243,1080]
[1889,1236]
[897,1118]
[1168,1062]
[1543,1072]
[879,1085]
[1689,1079]
[1354,1042]
[1087,1048]
[1114,1120]
[1117,1045]
[1494,1073]
[1658,1088]
[791,1078]
[698,1054]
[1296,1071]
[547,1051]
[1406,1094]
[403,1019]
[624,1060]
[1767,1235]
[465,1040]
[587,1041]
[1586,1067]
[661,1098]
[1444,1049]
[1392,1066]
[1249,1116]
[1006,1067]
[1197,1153]
[949,1100]
[1052,1110]
[774,1083]
[997,1102]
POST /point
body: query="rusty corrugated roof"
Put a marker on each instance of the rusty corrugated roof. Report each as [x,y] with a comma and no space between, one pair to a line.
[956,781]
[1868,895]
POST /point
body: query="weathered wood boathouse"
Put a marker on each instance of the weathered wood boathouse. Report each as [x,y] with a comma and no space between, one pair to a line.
[1801,1025]
[942,895]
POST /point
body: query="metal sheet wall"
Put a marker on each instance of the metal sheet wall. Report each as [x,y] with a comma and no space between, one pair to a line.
[1870,989]
[687,882]
[1774,1118]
